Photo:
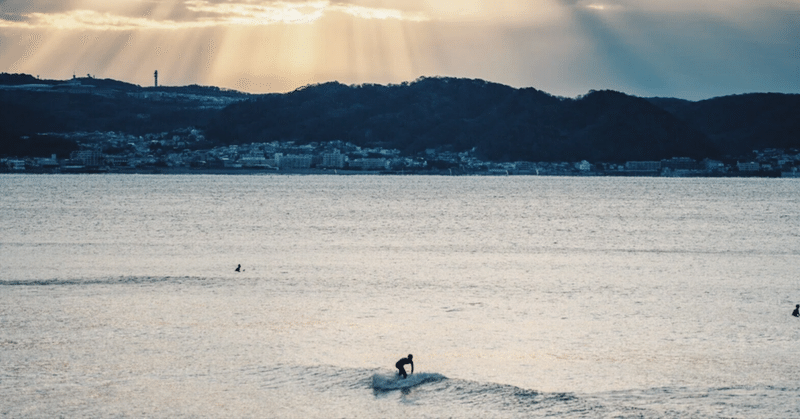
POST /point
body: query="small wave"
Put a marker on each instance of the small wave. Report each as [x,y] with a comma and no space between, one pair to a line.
[435,395]
[422,394]
[99,281]
[735,401]
[389,382]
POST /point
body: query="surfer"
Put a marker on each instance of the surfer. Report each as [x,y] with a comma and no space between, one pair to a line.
[796,311]
[401,363]
[239,268]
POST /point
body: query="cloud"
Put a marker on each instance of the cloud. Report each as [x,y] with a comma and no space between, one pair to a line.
[191,14]
[696,52]
[93,20]
[379,13]
[259,13]
[730,9]
[688,48]
[294,12]
[603,6]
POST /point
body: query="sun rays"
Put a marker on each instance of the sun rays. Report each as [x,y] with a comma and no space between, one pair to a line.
[204,14]
[565,47]
[259,46]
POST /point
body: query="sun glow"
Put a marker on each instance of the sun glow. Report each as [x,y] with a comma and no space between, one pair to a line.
[204,14]
[96,21]
[561,46]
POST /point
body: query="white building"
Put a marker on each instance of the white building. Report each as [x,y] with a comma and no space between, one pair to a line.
[16,164]
[643,165]
[293,161]
[583,166]
[748,167]
[335,159]
[254,162]
[48,162]
[86,157]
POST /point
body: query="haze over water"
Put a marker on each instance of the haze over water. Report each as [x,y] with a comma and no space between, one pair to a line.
[518,296]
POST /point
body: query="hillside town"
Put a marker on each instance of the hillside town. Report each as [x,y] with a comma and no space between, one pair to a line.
[181,152]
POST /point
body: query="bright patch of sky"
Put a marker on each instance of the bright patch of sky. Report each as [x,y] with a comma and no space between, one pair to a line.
[682,48]
[204,13]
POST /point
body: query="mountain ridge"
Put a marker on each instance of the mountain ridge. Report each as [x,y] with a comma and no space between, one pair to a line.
[500,122]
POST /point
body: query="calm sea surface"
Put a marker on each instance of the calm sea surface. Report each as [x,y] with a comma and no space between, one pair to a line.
[518,296]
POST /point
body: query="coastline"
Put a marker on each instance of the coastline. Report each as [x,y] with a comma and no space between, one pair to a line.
[342,172]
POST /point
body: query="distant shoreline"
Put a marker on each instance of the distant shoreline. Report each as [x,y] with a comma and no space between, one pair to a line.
[341,172]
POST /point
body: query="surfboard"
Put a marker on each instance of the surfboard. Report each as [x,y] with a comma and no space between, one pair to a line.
[389,382]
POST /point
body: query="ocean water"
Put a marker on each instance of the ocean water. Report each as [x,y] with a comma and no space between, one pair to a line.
[518,296]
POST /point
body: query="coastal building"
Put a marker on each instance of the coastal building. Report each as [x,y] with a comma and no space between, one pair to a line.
[255,159]
[116,160]
[643,166]
[526,168]
[370,164]
[86,157]
[254,162]
[293,161]
[679,163]
[334,160]
[791,173]
[583,166]
[48,163]
[230,164]
[16,165]
[748,167]
[713,165]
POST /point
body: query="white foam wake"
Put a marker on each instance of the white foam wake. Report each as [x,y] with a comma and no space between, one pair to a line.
[387,382]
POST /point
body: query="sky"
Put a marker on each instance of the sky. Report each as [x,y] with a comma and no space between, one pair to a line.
[690,49]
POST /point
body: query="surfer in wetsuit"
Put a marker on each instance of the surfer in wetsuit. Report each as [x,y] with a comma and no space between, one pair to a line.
[796,311]
[238,268]
[401,363]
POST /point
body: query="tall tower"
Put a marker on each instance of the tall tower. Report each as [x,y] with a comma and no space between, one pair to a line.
[156,76]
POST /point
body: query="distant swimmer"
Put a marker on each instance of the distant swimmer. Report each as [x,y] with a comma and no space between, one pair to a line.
[796,311]
[401,363]
[239,268]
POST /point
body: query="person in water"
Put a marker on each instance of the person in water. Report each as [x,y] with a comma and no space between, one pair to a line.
[796,311]
[401,364]
[239,268]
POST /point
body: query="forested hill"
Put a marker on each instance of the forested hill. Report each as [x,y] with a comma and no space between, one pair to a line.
[507,124]
[502,123]
[741,123]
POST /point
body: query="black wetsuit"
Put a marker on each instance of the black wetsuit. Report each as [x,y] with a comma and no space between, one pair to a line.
[796,312]
[401,363]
